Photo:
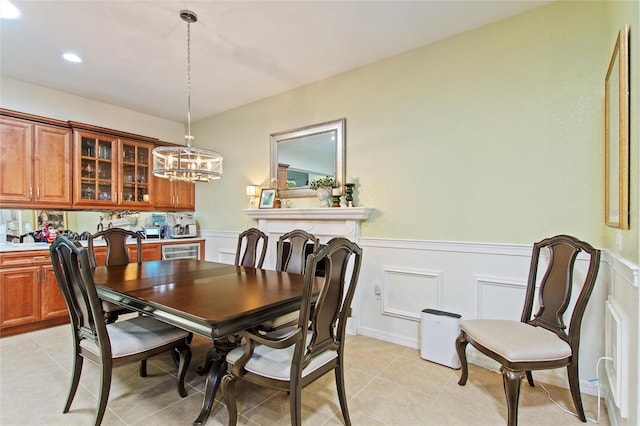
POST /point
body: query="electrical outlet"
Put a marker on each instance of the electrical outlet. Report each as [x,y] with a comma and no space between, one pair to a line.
[377,290]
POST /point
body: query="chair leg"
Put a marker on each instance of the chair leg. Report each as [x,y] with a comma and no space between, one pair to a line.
[461,348]
[75,379]
[342,395]
[185,358]
[228,388]
[574,385]
[105,386]
[110,317]
[511,381]
[295,401]
[143,368]
[530,378]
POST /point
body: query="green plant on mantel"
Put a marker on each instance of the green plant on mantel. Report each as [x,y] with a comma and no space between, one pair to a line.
[325,182]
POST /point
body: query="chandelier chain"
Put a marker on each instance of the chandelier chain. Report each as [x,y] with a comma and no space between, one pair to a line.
[187,163]
[188,83]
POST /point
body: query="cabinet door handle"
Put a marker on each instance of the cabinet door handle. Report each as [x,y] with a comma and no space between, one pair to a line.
[39,257]
[38,277]
[30,192]
[37,193]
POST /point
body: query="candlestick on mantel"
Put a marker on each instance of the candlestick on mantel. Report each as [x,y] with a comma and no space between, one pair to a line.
[349,194]
[335,197]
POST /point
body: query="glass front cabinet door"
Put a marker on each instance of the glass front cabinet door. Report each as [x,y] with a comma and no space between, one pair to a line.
[96,169]
[112,171]
[136,174]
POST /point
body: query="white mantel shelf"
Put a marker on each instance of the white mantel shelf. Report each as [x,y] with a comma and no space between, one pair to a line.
[322,213]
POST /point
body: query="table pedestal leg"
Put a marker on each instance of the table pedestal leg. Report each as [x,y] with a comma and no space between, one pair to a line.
[216,366]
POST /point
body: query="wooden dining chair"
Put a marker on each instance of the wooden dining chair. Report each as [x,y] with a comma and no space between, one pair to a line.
[541,341]
[109,345]
[291,257]
[292,250]
[252,248]
[117,254]
[291,360]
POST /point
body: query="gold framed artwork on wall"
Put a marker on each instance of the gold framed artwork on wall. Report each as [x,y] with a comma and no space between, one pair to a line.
[616,135]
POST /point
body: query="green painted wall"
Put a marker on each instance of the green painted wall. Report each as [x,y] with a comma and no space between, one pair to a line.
[491,135]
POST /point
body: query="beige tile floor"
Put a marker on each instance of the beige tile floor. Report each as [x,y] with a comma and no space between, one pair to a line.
[387,384]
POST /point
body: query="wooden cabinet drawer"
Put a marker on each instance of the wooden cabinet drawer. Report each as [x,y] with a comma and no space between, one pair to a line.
[24,258]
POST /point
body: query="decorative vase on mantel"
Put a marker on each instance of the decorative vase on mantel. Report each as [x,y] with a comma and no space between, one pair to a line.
[324,193]
[323,187]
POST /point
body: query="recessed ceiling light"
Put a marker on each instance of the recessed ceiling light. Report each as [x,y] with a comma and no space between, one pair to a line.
[8,10]
[72,57]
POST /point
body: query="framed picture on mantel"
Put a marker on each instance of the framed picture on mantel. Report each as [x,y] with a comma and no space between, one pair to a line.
[266,198]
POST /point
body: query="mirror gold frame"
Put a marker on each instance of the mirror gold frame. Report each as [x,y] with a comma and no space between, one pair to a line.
[332,129]
[616,135]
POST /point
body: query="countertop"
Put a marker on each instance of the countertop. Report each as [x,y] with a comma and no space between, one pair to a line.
[15,247]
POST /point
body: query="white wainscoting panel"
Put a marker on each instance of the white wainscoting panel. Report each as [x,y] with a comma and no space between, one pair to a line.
[499,298]
[621,382]
[220,246]
[405,292]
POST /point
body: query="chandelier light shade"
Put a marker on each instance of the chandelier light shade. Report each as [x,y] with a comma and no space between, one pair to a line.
[187,163]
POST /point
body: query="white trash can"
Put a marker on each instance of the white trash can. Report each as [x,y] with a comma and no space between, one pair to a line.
[438,334]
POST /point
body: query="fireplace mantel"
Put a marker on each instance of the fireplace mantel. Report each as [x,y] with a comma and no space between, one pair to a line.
[327,213]
[324,223]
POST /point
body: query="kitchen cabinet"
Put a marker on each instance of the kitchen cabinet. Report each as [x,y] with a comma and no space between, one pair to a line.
[52,164]
[173,195]
[111,171]
[29,294]
[35,163]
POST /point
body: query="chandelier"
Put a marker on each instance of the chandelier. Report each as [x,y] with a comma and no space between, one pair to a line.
[187,163]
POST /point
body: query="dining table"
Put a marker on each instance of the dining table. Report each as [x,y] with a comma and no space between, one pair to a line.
[211,299]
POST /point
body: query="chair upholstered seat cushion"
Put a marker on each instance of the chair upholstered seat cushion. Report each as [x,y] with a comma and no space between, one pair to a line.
[276,363]
[136,335]
[517,341]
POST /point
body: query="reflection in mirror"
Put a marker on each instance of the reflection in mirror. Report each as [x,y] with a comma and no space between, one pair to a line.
[301,155]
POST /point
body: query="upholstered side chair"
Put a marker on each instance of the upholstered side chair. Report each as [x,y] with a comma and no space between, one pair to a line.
[542,340]
[252,248]
[109,345]
[290,359]
[291,257]
[291,254]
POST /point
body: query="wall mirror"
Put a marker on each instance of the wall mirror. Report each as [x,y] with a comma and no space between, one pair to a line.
[616,139]
[301,155]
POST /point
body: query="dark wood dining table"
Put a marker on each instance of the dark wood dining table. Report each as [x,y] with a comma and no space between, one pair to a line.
[214,300]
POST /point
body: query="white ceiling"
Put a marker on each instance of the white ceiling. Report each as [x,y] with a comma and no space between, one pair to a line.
[135,52]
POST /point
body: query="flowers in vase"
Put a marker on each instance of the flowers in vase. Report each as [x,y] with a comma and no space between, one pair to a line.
[325,182]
